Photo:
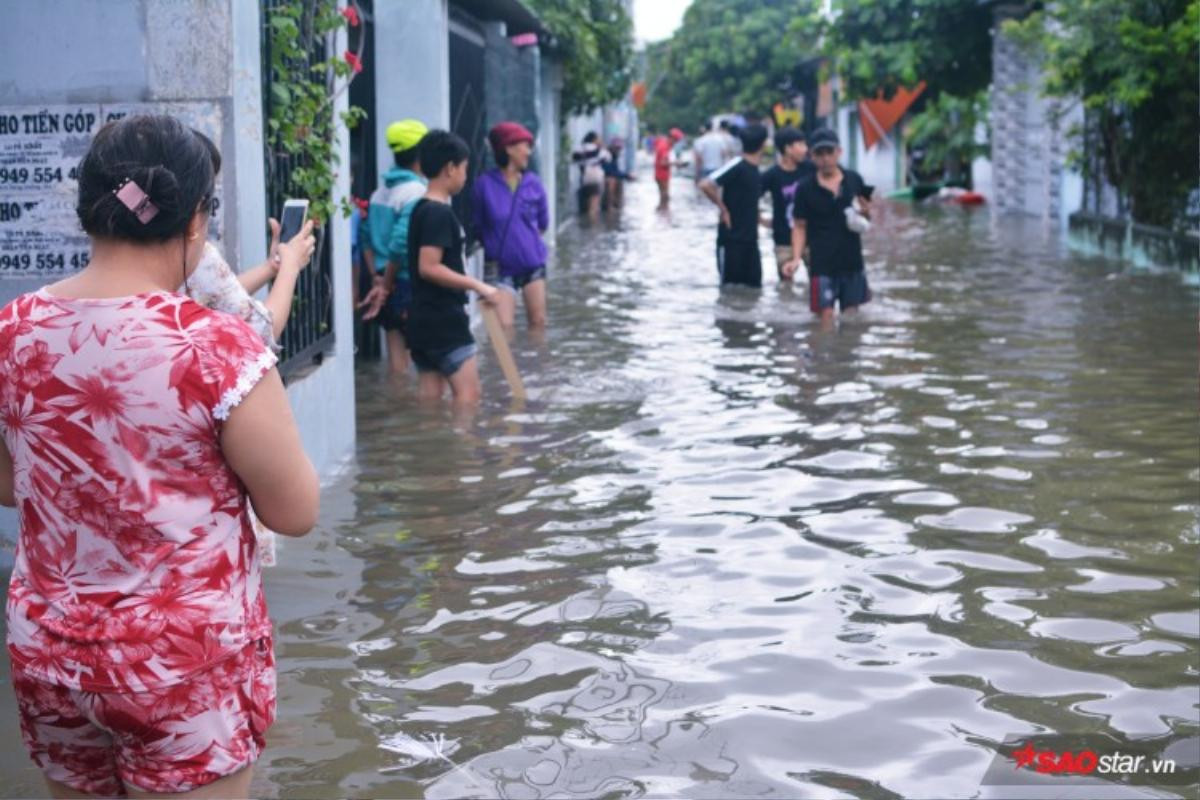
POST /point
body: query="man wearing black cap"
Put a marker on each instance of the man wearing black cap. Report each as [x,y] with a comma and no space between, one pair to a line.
[830,211]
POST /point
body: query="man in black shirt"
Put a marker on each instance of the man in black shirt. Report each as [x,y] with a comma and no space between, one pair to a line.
[736,188]
[830,211]
[439,331]
[781,181]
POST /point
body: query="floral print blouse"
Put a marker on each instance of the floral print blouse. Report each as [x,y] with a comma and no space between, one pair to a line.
[136,562]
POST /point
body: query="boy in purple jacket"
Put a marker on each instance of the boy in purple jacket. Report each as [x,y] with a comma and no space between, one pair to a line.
[510,213]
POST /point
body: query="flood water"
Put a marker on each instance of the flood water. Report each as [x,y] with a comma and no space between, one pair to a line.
[723,553]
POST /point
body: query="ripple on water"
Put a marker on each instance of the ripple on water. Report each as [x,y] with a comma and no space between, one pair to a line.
[1052,544]
[926,499]
[976,520]
[1181,623]
[1101,582]
[1088,631]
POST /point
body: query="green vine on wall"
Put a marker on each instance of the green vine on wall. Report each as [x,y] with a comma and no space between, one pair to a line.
[301,127]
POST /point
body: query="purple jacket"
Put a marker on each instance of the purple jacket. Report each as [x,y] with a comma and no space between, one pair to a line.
[513,241]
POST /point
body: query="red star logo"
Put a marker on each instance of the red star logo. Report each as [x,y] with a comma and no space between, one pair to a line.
[1025,755]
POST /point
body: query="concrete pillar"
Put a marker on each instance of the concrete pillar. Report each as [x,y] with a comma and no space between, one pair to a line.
[412,69]
[247,238]
[549,134]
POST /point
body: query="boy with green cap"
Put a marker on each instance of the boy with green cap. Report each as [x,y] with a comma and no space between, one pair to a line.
[385,234]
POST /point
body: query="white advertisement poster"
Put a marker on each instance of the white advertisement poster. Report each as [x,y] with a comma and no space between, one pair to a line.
[40,150]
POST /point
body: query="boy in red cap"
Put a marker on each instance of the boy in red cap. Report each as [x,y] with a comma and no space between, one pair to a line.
[662,165]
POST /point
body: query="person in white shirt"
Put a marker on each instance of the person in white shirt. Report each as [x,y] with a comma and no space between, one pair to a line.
[710,152]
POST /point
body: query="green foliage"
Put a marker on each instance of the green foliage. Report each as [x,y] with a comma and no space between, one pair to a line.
[945,128]
[595,38]
[887,44]
[1134,64]
[671,101]
[727,56]
[301,125]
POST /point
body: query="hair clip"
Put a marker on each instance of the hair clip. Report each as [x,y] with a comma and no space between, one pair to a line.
[136,200]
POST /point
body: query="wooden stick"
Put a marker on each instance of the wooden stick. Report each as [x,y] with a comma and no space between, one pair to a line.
[503,354]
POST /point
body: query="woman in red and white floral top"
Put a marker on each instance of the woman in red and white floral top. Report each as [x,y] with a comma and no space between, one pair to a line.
[138,429]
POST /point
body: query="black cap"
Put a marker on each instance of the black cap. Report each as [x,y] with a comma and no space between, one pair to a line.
[822,137]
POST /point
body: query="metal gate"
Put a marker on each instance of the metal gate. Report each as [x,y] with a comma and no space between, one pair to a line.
[309,334]
[468,112]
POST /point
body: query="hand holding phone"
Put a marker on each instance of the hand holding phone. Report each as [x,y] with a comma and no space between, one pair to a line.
[296,240]
[295,212]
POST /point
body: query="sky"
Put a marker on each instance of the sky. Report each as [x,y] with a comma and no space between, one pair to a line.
[657,19]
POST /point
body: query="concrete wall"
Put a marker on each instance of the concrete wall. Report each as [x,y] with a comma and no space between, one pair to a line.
[549,135]
[185,56]
[246,126]
[1030,141]
[131,51]
[1142,246]
[412,69]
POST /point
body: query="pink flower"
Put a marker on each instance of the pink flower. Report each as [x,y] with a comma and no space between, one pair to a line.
[354,61]
[10,330]
[351,15]
[35,363]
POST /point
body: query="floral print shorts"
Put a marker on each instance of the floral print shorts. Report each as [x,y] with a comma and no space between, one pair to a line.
[167,740]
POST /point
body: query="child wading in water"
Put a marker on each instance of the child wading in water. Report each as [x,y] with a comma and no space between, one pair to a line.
[386,250]
[439,332]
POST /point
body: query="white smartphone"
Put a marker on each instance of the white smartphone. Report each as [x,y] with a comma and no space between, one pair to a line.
[292,219]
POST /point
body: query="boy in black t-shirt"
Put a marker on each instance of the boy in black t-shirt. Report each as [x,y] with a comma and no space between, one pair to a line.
[781,181]
[830,211]
[736,188]
[439,331]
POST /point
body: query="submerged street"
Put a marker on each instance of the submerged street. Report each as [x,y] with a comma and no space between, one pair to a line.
[721,552]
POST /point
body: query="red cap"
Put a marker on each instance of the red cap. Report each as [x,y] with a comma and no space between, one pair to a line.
[676,134]
[506,134]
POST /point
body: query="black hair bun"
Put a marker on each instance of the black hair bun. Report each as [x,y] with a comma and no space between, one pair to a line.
[175,166]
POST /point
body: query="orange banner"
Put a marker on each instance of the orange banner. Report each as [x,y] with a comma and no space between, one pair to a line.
[877,117]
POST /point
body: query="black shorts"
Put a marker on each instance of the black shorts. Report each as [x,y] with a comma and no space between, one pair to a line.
[739,263]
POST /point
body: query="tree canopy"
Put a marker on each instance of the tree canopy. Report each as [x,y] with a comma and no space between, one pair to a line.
[726,56]
[595,38]
[878,45]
